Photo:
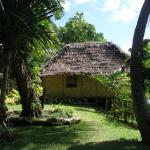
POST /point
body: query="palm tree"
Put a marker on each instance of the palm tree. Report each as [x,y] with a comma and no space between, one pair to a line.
[21,27]
[137,79]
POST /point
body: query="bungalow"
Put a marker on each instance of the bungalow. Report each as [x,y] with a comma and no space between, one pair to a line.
[70,73]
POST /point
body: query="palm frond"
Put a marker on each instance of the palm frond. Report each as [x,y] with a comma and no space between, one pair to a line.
[1,6]
[23,18]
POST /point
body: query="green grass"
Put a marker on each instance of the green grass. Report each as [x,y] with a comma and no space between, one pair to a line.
[94,132]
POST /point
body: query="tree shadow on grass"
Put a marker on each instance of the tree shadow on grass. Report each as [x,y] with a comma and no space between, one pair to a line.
[39,137]
[121,144]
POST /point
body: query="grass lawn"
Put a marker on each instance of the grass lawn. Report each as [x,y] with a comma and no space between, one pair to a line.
[94,132]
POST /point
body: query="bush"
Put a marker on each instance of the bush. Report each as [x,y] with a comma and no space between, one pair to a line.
[58,112]
[13,97]
[69,101]
[119,85]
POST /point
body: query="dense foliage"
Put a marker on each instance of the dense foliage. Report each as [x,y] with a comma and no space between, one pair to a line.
[13,97]
[77,29]
[146,67]
[40,56]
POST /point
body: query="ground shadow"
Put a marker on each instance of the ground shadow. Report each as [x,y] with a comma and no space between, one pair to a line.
[112,145]
[39,136]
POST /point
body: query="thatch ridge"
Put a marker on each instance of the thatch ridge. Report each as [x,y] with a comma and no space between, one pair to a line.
[90,58]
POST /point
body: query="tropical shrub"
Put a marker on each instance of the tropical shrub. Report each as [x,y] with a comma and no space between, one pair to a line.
[118,84]
[57,111]
[13,97]
[146,67]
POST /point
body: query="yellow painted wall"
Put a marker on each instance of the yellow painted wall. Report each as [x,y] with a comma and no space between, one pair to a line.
[72,91]
[56,86]
[89,87]
[93,88]
[53,86]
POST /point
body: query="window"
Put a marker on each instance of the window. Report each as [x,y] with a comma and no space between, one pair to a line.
[71,81]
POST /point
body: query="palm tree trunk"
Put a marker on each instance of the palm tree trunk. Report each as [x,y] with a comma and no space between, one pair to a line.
[137,80]
[4,82]
[26,91]
[1,66]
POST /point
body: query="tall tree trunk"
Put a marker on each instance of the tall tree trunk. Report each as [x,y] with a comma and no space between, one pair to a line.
[26,91]
[1,52]
[137,80]
[4,82]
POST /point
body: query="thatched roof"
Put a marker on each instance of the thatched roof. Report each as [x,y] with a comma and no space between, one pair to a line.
[86,58]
